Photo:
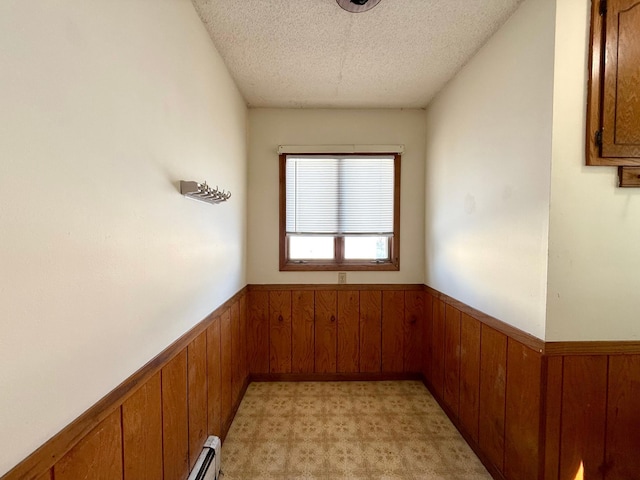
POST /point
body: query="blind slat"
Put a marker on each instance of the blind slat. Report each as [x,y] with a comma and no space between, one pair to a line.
[347,195]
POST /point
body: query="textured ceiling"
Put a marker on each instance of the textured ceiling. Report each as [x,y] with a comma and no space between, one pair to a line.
[312,53]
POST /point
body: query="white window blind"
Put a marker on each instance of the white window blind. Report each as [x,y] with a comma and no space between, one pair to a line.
[329,195]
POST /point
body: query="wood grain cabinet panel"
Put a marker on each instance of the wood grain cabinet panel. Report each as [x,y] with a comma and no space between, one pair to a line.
[413,327]
[522,414]
[452,358]
[621,103]
[623,418]
[437,348]
[98,456]
[348,331]
[427,336]
[469,374]
[225,368]
[280,331]
[493,371]
[326,331]
[613,104]
[258,331]
[197,394]
[214,379]
[175,418]
[584,397]
[142,432]
[392,331]
[370,331]
[302,331]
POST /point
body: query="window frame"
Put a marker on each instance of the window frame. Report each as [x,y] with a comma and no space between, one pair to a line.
[338,263]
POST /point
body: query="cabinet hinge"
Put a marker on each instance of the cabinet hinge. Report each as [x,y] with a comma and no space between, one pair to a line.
[603,7]
[598,138]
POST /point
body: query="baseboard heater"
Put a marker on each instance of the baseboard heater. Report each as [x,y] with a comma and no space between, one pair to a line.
[208,465]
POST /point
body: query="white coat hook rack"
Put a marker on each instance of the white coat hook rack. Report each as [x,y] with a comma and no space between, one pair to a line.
[203,192]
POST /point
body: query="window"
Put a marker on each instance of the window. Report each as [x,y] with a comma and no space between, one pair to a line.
[339,211]
[613,104]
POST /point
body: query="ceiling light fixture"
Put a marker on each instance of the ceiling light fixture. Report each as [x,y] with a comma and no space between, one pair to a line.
[357,6]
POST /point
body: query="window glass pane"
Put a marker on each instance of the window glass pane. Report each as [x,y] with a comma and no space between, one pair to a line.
[366,248]
[311,248]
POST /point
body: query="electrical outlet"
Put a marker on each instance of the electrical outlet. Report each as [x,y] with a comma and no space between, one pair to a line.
[342,278]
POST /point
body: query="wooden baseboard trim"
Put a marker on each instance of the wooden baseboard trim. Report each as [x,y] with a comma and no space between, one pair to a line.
[523,337]
[592,348]
[60,444]
[332,377]
[335,286]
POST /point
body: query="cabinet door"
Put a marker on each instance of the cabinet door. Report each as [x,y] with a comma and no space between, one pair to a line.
[280,331]
[613,103]
[325,331]
[621,102]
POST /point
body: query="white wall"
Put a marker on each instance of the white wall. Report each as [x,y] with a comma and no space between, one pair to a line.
[269,128]
[594,237]
[104,107]
[487,176]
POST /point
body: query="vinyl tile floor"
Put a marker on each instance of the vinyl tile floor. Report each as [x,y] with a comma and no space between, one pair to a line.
[345,430]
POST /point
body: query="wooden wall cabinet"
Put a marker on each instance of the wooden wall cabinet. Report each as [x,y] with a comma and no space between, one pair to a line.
[613,103]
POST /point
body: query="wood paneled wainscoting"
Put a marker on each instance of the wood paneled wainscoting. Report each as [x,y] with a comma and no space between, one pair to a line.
[530,410]
[154,424]
[327,332]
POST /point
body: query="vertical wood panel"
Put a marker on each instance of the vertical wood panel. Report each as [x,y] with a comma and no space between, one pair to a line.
[48,475]
[584,392]
[470,374]
[236,374]
[244,369]
[325,331]
[98,456]
[348,331]
[142,432]
[437,348]
[280,331]
[258,331]
[225,367]
[175,418]
[370,330]
[493,369]
[553,409]
[214,378]
[413,330]
[392,333]
[427,336]
[522,416]
[197,394]
[452,359]
[623,417]
[302,334]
